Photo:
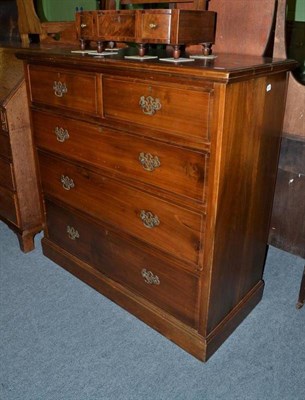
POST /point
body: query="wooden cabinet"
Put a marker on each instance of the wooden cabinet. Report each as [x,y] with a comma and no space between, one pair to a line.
[19,197]
[158,182]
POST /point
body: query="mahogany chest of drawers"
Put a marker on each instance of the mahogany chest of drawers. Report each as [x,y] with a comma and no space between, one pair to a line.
[158,181]
[19,195]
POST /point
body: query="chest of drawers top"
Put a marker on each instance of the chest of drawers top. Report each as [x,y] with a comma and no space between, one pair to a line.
[224,68]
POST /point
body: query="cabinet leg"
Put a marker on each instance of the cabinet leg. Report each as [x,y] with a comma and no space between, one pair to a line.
[26,241]
[301,299]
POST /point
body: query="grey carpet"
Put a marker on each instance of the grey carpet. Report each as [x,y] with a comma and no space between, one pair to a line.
[61,340]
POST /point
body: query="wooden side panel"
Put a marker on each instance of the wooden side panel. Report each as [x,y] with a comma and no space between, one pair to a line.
[247,166]
[23,160]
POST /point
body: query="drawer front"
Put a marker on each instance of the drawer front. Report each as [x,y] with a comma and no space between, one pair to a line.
[6,175]
[154,26]
[176,110]
[65,89]
[155,279]
[5,147]
[4,124]
[116,25]
[85,23]
[8,205]
[168,167]
[150,219]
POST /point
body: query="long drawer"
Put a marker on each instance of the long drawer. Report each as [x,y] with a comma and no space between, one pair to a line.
[170,288]
[168,167]
[66,89]
[8,205]
[5,147]
[167,226]
[6,175]
[177,109]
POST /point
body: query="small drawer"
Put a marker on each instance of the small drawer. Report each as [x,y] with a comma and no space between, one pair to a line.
[66,89]
[6,175]
[169,167]
[117,25]
[167,226]
[4,124]
[163,284]
[154,25]
[85,24]
[175,26]
[8,205]
[5,146]
[177,110]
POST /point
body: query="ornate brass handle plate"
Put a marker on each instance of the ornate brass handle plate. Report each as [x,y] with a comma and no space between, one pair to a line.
[149,105]
[67,183]
[150,278]
[72,233]
[149,162]
[149,219]
[60,89]
[61,134]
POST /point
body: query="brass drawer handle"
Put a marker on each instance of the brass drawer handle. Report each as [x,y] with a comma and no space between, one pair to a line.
[83,26]
[149,105]
[67,182]
[61,134]
[150,278]
[149,219]
[153,26]
[149,162]
[72,233]
[60,89]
